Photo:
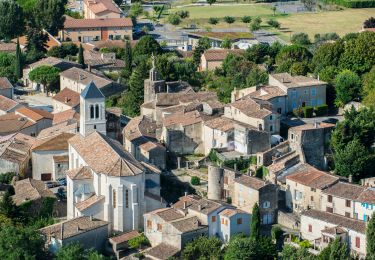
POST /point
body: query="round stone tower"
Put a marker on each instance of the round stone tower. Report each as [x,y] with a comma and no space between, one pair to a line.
[215,182]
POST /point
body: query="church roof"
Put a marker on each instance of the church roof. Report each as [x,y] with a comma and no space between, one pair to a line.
[105,155]
[91,91]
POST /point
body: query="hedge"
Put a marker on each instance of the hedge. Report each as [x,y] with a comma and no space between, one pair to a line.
[321,110]
[195,180]
[353,3]
[308,111]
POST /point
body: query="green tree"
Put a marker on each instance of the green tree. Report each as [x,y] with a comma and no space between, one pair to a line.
[339,250]
[213,20]
[370,238]
[246,19]
[203,44]
[49,15]
[359,54]
[144,48]
[290,54]
[45,75]
[348,87]
[174,19]
[7,65]
[257,53]
[76,251]
[7,206]
[128,60]
[12,21]
[255,24]
[226,44]
[81,58]
[202,248]
[138,242]
[289,252]
[353,159]
[134,97]
[36,44]
[229,19]
[210,2]
[136,9]
[327,54]
[255,222]
[301,39]
[20,243]
[369,88]
[257,77]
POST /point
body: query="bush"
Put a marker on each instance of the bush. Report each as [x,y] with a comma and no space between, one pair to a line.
[298,112]
[321,110]
[308,111]
[229,200]
[273,23]
[183,14]
[174,19]
[305,244]
[229,19]
[301,39]
[195,180]
[276,232]
[353,3]
[213,20]
[7,177]
[138,242]
[246,19]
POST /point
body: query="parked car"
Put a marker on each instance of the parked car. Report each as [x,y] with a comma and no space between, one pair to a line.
[330,120]
[62,181]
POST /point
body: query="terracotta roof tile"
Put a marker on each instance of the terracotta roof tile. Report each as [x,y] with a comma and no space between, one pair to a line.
[367,196]
[85,204]
[334,230]
[311,126]
[124,237]
[34,114]
[251,108]
[85,77]
[80,173]
[7,104]
[12,123]
[186,224]
[99,6]
[349,223]
[97,23]
[30,189]
[64,116]
[67,97]
[267,93]
[309,176]
[162,251]
[16,147]
[251,182]
[55,143]
[69,126]
[4,83]
[60,158]
[8,47]
[220,54]
[114,160]
[297,81]
[169,214]
[231,212]
[185,119]
[345,190]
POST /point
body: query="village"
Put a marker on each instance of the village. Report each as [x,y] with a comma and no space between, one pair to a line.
[118,145]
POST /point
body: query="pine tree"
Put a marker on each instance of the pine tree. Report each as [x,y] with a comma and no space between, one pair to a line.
[339,250]
[81,59]
[370,237]
[128,59]
[255,222]
[19,61]
[134,97]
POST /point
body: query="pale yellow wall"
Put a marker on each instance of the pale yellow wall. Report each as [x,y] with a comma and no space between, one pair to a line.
[338,204]
[310,198]
[244,197]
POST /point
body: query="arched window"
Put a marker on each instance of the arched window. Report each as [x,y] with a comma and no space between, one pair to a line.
[92,112]
[96,111]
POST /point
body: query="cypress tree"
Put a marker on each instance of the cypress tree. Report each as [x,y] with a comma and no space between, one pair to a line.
[255,222]
[81,59]
[128,59]
[18,64]
[370,237]
[339,250]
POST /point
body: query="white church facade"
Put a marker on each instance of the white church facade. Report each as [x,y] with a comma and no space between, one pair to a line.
[104,180]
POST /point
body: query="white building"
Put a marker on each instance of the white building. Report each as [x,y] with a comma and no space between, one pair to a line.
[104,180]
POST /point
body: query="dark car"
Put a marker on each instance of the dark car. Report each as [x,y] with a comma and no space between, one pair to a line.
[62,181]
[330,120]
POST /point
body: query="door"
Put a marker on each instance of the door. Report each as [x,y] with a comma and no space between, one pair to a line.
[104,34]
[267,219]
[46,176]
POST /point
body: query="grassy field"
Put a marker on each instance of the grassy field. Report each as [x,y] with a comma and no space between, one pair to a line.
[341,22]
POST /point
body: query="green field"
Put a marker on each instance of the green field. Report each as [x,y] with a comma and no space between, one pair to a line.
[341,22]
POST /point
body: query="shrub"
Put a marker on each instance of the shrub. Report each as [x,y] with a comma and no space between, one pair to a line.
[229,200]
[246,19]
[229,19]
[195,180]
[276,232]
[305,244]
[174,19]
[308,111]
[138,242]
[321,110]
[298,112]
[273,23]
[213,20]
[301,39]
[6,178]
[183,14]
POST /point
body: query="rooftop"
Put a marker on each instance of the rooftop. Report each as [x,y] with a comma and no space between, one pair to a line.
[267,93]
[80,173]
[162,251]
[34,114]
[4,82]
[251,182]
[231,212]
[334,230]
[186,224]
[220,54]
[349,223]
[69,126]
[296,81]
[56,62]
[367,196]
[55,143]
[345,190]
[251,108]
[16,147]
[64,116]
[68,97]
[73,227]
[8,47]
[12,123]
[30,189]
[7,104]
[185,119]
[124,237]
[307,127]
[85,204]
[97,23]
[307,175]
[91,91]
[114,160]
[100,6]
[85,77]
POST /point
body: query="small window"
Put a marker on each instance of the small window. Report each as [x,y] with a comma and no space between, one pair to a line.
[313,189]
[239,221]
[114,199]
[149,224]
[94,126]
[92,112]
[312,198]
[213,219]
[357,242]
[292,136]
[160,227]
[127,198]
[271,128]
[310,228]
[270,117]
[347,214]
[225,180]
[329,209]
[266,204]
[222,221]
[226,222]
[96,111]
[329,198]
[347,203]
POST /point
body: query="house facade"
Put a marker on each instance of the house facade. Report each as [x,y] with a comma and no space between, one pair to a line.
[101,9]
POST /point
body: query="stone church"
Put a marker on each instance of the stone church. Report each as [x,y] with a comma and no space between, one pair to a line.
[105,181]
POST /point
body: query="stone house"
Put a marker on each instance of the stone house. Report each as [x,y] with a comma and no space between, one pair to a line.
[233,221]
[304,187]
[104,9]
[311,141]
[61,64]
[87,30]
[213,58]
[66,99]
[301,91]
[6,88]
[103,62]
[15,153]
[257,115]
[251,190]
[50,157]
[364,205]
[77,79]
[140,140]
[8,105]
[321,227]
[87,231]
[222,132]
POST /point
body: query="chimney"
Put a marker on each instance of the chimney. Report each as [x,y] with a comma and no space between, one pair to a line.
[90,217]
[199,207]
[350,178]
[315,124]
[89,68]
[186,193]
[184,207]
[62,231]
[80,77]
[66,99]
[77,228]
